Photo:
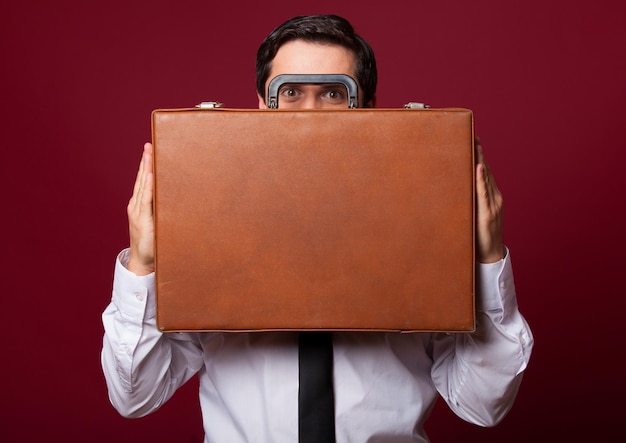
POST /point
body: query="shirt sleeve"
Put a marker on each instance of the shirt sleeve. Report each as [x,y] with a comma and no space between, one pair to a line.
[478,374]
[142,367]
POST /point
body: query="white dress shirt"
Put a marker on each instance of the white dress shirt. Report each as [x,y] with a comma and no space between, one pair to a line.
[385,383]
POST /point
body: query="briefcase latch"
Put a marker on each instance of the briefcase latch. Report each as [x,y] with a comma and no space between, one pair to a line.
[209,105]
[416,105]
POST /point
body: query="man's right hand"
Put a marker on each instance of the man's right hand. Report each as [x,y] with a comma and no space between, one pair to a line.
[141,218]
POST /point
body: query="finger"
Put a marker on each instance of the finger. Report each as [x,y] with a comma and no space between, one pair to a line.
[479,150]
[147,188]
[147,169]
[145,165]
[482,171]
[481,186]
[486,188]
[489,188]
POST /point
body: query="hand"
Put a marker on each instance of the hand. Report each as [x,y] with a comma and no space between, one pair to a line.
[141,218]
[489,246]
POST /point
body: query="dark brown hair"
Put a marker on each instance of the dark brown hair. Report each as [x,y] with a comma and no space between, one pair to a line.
[330,29]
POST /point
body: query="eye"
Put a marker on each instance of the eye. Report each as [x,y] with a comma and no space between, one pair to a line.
[335,95]
[289,92]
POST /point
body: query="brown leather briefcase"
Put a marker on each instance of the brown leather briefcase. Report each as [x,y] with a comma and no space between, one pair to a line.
[355,219]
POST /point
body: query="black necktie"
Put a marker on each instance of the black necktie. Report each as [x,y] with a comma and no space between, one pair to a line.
[316,405]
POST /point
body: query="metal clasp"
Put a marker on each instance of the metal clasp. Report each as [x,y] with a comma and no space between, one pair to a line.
[416,105]
[209,105]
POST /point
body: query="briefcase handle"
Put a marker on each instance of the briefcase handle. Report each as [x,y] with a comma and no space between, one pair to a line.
[282,79]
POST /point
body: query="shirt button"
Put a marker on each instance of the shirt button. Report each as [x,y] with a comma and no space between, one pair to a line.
[139,296]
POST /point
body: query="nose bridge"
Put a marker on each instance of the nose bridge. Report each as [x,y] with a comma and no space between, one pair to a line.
[311,100]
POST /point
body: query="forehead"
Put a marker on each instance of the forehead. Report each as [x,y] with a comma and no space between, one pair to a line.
[300,57]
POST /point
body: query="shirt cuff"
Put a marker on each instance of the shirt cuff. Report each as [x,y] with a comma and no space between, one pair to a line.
[133,294]
[495,288]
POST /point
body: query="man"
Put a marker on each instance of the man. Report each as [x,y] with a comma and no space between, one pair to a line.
[385,383]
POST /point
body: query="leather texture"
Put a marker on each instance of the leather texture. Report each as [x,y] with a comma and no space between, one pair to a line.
[358,219]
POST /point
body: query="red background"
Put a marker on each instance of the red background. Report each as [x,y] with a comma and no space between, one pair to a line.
[79,79]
